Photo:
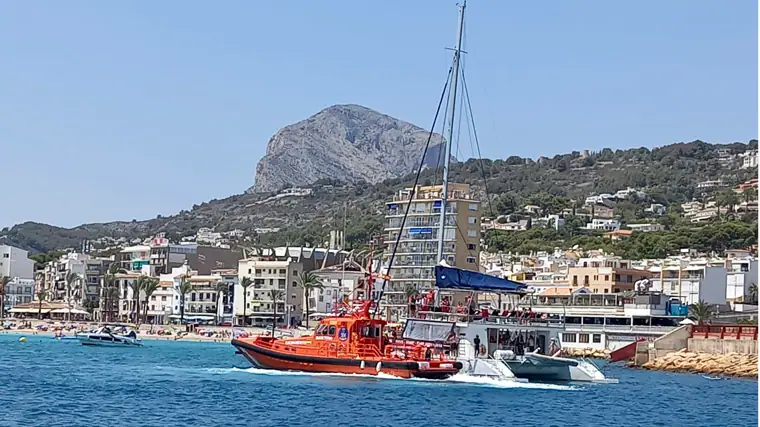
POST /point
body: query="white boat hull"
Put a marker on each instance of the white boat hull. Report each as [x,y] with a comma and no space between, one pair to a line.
[538,367]
[101,340]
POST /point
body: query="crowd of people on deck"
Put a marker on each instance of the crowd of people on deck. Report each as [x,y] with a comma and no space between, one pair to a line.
[420,304]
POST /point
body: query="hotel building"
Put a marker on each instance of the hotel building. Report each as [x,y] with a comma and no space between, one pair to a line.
[416,255]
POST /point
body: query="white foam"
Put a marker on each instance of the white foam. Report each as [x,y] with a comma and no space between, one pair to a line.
[456,379]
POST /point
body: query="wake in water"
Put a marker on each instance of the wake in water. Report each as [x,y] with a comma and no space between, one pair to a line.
[456,379]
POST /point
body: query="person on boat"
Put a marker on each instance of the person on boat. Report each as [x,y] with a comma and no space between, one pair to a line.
[446,305]
[476,343]
[460,308]
[412,306]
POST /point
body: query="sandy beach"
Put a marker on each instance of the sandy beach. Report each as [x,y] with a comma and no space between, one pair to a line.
[144,332]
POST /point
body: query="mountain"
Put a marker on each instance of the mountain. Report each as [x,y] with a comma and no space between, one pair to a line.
[668,174]
[349,143]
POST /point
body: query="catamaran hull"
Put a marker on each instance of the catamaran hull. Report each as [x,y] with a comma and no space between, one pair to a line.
[265,358]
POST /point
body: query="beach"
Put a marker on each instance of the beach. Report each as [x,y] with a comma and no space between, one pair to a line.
[219,334]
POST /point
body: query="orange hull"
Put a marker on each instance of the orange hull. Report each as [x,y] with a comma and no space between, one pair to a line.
[266,357]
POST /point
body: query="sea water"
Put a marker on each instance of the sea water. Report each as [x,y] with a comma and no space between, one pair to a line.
[46,382]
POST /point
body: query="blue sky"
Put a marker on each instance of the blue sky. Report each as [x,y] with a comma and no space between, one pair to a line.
[122,110]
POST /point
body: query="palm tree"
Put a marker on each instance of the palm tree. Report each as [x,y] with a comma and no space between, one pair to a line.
[110,290]
[220,287]
[41,295]
[275,294]
[151,284]
[3,283]
[309,280]
[137,286]
[72,279]
[245,283]
[700,311]
[185,287]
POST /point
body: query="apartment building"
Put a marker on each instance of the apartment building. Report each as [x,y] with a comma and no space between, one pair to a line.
[346,280]
[741,274]
[230,277]
[605,274]
[269,274]
[416,255]
[277,268]
[89,269]
[165,256]
[15,262]
[18,291]
[691,281]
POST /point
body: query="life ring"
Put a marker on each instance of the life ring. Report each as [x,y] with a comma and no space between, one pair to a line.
[483,349]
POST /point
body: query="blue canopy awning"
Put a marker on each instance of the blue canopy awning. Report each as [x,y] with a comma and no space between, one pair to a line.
[456,278]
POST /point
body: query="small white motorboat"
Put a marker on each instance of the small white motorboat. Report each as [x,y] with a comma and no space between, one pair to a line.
[105,337]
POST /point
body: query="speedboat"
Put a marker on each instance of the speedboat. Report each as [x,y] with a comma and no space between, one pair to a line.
[353,343]
[105,337]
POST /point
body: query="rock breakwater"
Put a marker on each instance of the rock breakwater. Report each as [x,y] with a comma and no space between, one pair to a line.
[731,364]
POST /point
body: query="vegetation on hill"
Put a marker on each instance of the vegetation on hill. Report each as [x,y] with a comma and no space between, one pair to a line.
[669,175]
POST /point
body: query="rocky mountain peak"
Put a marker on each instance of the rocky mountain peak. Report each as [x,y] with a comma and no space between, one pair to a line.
[345,142]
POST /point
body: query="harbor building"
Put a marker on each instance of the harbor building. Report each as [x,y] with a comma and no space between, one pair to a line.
[416,255]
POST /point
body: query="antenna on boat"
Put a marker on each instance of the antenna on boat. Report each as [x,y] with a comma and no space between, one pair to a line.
[450,136]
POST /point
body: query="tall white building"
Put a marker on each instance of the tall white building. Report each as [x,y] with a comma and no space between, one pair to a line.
[15,262]
[741,275]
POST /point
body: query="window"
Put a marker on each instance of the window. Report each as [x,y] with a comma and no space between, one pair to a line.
[473,207]
[282,271]
[472,220]
[597,338]
[606,277]
[568,337]
[470,247]
[6,255]
[583,338]
[331,331]
[472,233]
[295,273]
[470,260]
[575,280]
[585,280]
[596,278]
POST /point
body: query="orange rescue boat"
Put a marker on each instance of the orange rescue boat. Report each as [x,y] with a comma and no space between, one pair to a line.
[351,343]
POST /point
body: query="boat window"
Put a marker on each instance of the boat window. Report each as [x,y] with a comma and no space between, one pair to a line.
[377,331]
[365,331]
[321,330]
[331,331]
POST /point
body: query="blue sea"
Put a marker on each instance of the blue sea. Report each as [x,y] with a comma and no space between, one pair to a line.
[45,382]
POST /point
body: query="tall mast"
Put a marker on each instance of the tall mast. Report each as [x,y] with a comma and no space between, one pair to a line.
[450,129]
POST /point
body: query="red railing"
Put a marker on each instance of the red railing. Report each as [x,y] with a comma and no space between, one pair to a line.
[724,332]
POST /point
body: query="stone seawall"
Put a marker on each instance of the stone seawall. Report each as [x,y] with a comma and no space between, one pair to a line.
[731,364]
[586,352]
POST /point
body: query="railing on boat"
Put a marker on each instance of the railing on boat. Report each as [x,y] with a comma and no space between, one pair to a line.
[724,332]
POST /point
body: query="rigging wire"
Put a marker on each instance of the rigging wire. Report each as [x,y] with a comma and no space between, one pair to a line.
[477,144]
[411,194]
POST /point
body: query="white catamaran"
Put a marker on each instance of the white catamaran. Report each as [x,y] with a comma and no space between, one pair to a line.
[517,351]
